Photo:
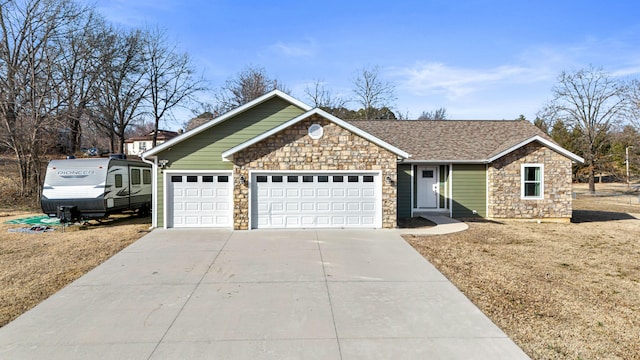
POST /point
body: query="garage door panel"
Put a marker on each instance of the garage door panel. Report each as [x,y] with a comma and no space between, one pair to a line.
[208,192]
[199,200]
[322,192]
[192,193]
[368,220]
[340,199]
[220,206]
[353,193]
[353,206]
[323,206]
[206,206]
[368,193]
[337,192]
[368,206]
[191,206]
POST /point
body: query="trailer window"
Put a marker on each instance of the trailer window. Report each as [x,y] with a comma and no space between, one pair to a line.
[135,176]
[146,177]
[118,180]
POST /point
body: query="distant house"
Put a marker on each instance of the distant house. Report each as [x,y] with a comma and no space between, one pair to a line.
[276,162]
[137,145]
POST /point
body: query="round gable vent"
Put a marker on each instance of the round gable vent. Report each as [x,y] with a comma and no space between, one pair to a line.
[316,131]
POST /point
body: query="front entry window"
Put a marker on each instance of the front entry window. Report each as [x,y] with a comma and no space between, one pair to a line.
[427,174]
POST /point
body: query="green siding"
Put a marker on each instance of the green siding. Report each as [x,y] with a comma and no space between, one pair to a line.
[404,190]
[204,150]
[469,190]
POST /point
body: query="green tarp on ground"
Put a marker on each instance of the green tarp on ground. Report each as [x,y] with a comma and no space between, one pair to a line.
[35,220]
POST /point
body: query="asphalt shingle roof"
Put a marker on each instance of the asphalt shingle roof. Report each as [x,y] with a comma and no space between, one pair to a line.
[451,140]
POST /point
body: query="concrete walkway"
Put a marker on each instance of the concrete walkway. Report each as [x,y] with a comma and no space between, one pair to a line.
[444,225]
[216,294]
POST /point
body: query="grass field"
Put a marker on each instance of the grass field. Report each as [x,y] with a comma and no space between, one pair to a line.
[560,291]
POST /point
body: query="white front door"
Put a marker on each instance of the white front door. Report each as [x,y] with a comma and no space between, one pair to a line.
[427,186]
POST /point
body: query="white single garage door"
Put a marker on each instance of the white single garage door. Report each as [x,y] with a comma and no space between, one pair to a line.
[315,200]
[199,200]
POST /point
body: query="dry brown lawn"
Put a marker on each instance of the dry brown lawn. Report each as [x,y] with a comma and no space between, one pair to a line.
[35,266]
[560,291]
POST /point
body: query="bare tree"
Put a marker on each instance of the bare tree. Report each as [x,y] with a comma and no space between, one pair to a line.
[372,93]
[247,85]
[437,114]
[122,84]
[170,77]
[78,69]
[29,102]
[322,98]
[633,95]
[591,102]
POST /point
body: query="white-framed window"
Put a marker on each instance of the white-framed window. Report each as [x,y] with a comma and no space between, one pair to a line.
[532,181]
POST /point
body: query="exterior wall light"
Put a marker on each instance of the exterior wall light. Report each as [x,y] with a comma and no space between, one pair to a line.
[243,180]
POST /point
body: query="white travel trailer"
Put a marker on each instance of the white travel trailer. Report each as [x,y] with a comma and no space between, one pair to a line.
[95,188]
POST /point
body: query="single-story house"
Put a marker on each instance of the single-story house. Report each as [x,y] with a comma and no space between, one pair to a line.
[276,162]
[139,144]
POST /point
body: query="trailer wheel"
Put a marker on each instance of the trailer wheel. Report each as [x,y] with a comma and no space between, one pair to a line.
[144,211]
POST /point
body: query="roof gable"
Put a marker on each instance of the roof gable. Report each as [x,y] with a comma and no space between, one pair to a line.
[227,154]
[548,143]
[262,99]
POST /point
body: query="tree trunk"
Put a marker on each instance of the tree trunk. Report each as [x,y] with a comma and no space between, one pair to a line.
[155,132]
[592,179]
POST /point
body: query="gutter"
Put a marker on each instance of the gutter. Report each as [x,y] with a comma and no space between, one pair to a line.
[444,161]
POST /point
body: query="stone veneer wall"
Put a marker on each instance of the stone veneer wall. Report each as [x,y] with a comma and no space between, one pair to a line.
[293,149]
[504,179]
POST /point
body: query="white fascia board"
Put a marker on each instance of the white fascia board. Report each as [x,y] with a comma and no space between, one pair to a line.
[226,156]
[226,116]
[545,142]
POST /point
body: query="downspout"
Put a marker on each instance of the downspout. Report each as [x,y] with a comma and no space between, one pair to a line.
[486,186]
[154,191]
[451,190]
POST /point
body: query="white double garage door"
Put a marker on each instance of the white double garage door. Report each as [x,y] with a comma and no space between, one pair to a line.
[278,200]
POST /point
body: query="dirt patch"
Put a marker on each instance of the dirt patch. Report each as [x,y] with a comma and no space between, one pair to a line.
[560,291]
[35,266]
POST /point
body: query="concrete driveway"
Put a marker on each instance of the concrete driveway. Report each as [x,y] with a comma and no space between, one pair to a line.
[217,294]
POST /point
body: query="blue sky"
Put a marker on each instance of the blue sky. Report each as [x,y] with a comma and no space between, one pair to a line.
[478,59]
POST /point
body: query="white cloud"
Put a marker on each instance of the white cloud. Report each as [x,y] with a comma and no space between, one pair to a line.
[437,78]
[294,49]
